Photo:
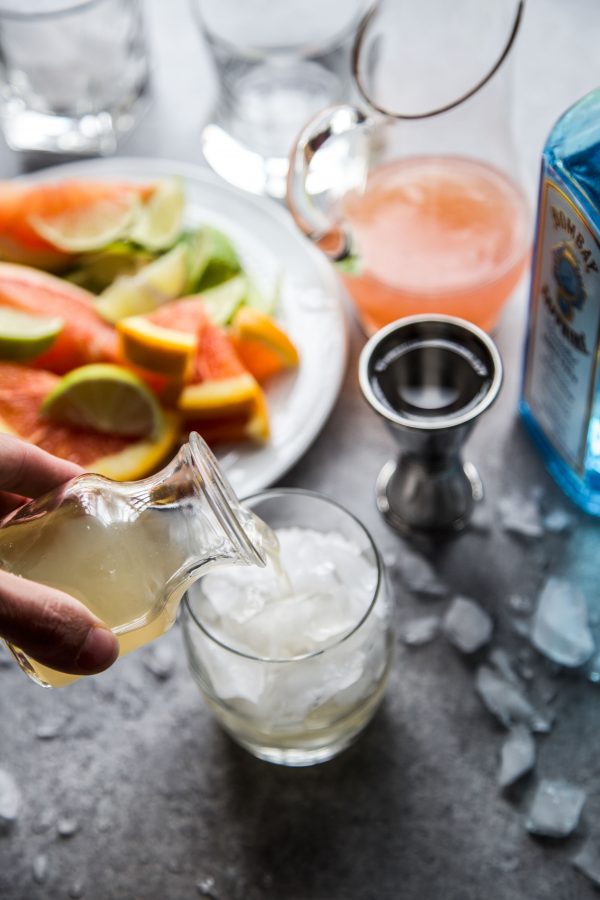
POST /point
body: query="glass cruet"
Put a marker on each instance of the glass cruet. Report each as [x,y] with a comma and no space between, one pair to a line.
[130,550]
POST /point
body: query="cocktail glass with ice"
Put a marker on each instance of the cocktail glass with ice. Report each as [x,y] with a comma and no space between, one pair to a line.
[293,661]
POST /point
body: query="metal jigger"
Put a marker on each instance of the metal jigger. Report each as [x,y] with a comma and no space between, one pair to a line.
[430,378]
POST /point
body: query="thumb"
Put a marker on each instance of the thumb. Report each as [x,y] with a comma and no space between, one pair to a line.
[54,628]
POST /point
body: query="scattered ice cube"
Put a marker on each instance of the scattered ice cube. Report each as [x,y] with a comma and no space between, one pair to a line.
[418,574]
[558,520]
[521,516]
[520,605]
[40,868]
[517,756]
[556,809]
[560,626]
[10,801]
[587,861]
[502,662]
[509,704]
[206,888]
[467,625]
[67,827]
[44,821]
[592,668]
[49,729]
[159,660]
[420,631]
[77,889]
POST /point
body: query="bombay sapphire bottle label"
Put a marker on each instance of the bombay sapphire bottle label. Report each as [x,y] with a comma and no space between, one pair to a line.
[564,326]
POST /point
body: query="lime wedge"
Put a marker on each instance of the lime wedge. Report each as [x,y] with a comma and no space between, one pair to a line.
[163,279]
[222,301]
[106,398]
[158,223]
[213,259]
[91,228]
[23,336]
[264,301]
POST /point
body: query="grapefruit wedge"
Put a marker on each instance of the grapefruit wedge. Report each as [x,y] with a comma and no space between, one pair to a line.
[31,214]
[224,402]
[23,390]
[84,337]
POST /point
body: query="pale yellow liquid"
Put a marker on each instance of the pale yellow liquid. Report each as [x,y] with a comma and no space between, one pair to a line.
[127,572]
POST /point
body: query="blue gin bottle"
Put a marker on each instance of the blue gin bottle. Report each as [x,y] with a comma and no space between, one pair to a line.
[560,401]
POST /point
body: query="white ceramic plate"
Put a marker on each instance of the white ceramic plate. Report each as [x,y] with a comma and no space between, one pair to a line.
[311,307]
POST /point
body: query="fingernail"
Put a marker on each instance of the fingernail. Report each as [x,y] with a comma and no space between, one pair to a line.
[99,651]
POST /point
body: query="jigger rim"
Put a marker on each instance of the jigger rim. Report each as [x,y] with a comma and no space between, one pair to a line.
[442,422]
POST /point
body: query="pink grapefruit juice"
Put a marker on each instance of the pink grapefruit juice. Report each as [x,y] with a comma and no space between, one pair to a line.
[436,234]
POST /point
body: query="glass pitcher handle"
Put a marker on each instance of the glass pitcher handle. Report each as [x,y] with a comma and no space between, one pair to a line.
[338,141]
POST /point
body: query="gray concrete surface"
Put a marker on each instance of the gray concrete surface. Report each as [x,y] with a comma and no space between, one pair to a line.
[165,807]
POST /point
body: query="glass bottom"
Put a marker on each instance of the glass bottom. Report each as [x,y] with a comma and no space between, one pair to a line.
[89,135]
[260,116]
[243,167]
[585,492]
[332,731]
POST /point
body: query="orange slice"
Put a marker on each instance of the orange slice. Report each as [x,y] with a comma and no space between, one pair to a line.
[262,346]
[22,392]
[223,395]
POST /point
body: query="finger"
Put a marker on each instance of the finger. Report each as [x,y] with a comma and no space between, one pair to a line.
[10,502]
[25,469]
[54,628]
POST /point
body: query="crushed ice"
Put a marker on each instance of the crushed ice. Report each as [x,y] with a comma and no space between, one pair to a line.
[418,574]
[517,756]
[560,624]
[555,809]
[420,631]
[467,625]
[507,702]
[10,801]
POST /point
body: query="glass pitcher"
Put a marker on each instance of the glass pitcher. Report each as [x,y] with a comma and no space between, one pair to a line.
[414,192]
[129,551]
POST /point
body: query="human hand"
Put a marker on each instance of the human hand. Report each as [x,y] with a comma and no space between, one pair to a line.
[52,627]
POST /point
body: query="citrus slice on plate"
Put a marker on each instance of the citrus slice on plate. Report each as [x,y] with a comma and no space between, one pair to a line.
[160,281]
[104,398]
[223,396]
[221,301]
[25,207]
[165,341]
[156,348]
[262,346]
[22,392]
[158,223]
[23,336]
[89,228]
[84,337]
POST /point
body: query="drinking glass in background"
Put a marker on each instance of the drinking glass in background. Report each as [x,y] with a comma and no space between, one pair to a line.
[73,73]
[277,64]
[415,192]
[294,670]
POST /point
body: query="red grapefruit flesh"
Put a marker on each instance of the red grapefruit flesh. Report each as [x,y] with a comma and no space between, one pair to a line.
[85,337]
[20,203]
